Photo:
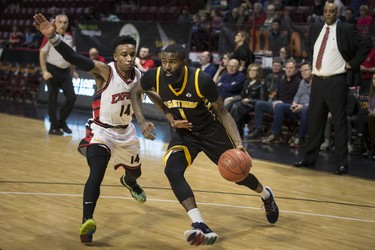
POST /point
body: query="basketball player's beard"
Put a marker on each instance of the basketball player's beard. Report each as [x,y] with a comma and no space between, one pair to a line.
[173,78]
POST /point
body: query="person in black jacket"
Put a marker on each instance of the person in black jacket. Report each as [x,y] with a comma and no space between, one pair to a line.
[338,49]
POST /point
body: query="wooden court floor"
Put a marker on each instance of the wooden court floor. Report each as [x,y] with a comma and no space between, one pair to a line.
[42,178]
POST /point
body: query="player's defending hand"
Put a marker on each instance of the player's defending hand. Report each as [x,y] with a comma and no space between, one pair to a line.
[148,130]
[43,25]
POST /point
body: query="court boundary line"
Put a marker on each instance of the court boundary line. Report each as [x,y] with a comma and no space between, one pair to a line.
[200,203]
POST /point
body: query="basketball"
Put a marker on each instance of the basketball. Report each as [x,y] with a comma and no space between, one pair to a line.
[234,165]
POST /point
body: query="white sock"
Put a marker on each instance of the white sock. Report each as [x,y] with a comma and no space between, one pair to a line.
[265,194]
[195,215]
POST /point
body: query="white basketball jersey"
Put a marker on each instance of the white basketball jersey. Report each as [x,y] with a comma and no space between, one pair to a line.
[112,105]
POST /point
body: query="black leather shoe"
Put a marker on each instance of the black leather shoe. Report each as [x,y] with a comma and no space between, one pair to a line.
[341,170]
[303,164]
[53,131]
[65,127]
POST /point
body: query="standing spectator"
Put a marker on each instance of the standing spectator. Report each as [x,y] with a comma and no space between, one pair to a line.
[199,33]
[94,55]
[297,110]
[144,62]
[215,25]
[286,91]
[270,16]
[253,90]
[355,4]
[242,51]
[58,74]
[231,83]
[30,40]
[336,48]
[231,17]
[206,60]
[371,118]
[222,67]
[258,16]
[317,12]
[15,37]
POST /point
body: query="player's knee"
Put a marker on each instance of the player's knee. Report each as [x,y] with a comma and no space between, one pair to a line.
[97,156]
[176,166]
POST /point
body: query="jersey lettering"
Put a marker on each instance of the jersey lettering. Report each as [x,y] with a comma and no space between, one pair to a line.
[180,104]
[120,97]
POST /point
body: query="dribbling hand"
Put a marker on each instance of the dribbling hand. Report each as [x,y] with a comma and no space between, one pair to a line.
[43,25]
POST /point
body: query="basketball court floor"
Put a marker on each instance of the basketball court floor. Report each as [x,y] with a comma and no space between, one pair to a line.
[42,179]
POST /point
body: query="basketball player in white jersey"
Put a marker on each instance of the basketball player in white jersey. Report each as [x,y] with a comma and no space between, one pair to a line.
[110,135]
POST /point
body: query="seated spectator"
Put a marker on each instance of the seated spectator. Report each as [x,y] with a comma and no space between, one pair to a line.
[286,91]
[200,32]
[231,83]
[371,119]
[15,37]
[94,55]
[365,123]
[284,54]
[258,16]
[215,25]
[367,70]
[144,61]
[222,67]
[252,91]
[297,110]
[206,60]
[352,116]
[364,21]
[270,16]
[272,80]
[349,17]
[29,39]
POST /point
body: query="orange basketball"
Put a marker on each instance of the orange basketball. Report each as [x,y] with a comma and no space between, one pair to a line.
[234,165]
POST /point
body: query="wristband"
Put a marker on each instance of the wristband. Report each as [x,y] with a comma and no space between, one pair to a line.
[54,39]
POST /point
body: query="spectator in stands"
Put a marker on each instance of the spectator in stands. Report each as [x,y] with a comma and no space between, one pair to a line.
[30,40]
[231,17]
[276,38]
[94,55]
[371,118]
[317,12]
[352,116]
[58,74]
[144,61]
[231,83]
[355,4]
[207,65]
[242,51]
[286,91]
[297,110]
[253,90]
[349,17]
[364,21]
[15,37]
[272,80]
[222,67]
[367,70]
[243,17]
[258,16]
[199,32]
[270,16]
[284,54]
[215,25]
[185,16]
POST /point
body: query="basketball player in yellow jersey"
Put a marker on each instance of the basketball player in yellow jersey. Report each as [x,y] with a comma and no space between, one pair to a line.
[110,133]
[189,99]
